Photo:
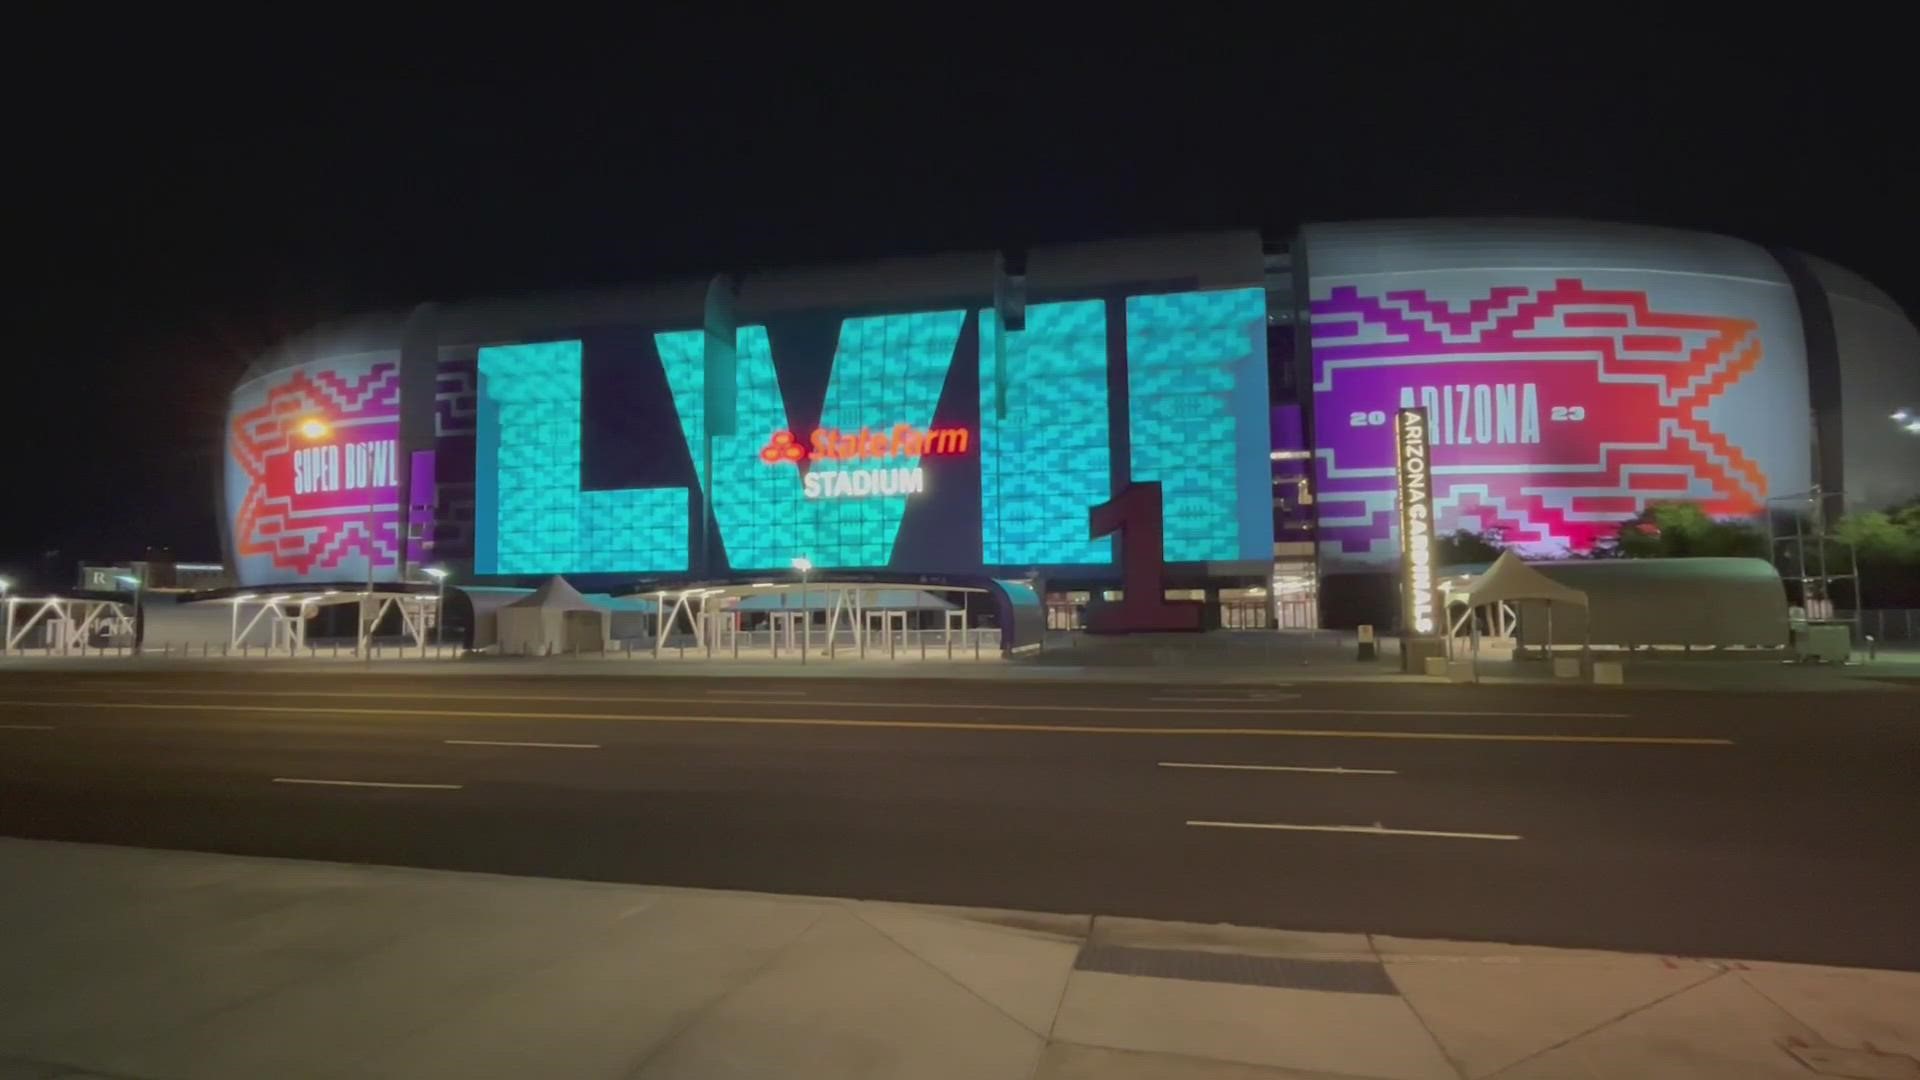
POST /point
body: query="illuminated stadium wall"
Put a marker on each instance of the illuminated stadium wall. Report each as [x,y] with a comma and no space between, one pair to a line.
[929,440]
[937,416]
[1574,374]
[312,471]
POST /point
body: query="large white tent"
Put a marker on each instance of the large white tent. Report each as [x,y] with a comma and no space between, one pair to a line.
[554,618]
[1511,581]
[1702,603]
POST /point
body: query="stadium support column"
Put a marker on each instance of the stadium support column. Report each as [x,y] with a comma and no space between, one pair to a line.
[1119,402]
[1301,294]
[720,380]
[419,384]
[1823,383]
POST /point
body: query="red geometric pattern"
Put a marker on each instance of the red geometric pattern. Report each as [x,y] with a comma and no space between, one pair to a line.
[305,531]
[1640,381]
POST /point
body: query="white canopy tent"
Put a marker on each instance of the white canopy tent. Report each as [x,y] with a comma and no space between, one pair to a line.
[554,618]
[1700,603]
[1509,581]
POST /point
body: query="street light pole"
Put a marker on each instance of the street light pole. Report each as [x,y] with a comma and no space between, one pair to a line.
[439,606]
[804,565]
[139,605]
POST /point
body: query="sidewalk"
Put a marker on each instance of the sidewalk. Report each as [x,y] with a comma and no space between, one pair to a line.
[1325,658]
[146,964]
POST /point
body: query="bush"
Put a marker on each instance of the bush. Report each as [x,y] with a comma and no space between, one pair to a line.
[1681,531]
[1462,546]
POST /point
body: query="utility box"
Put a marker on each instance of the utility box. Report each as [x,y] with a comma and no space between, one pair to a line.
[1566,667]
[1414,652]
[1609,673]
[1823,643]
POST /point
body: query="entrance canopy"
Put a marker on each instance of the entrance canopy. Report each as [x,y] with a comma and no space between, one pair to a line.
[1510,581]
[553,618]
[875,597]
[1015,608]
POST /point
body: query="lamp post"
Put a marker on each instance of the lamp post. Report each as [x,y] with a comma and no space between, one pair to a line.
[805,566]
[439,606]
[139,585]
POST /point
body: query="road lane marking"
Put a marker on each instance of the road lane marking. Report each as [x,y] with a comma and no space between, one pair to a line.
[1365,830]
[1335,769]
[26,727]
[904,705]
[758,693]
[1233,700]
[367,783]
[543,745]
[931,725]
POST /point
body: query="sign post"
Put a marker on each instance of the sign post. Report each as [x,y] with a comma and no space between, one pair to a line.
[1413,479]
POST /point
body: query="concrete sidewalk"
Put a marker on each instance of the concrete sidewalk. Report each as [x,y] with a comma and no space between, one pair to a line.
[148,964]
[1227,657]
[1189,665]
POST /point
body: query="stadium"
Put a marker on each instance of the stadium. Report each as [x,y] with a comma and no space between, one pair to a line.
[963,415]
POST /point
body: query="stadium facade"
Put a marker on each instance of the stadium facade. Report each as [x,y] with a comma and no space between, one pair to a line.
[963,414]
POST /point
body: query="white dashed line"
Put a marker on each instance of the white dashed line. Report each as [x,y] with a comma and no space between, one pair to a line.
[758,693]
[1364,830]
[1335,769]
[542,745]
[1223,699]
[367,783]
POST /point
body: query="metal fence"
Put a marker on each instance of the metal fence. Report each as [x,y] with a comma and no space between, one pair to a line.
[973,643]
[221,650]
[1887,624]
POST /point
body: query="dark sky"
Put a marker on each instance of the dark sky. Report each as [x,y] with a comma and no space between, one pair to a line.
[189,198]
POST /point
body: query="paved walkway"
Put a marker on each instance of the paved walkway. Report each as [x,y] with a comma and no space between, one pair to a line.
[1277,659]
[146,964]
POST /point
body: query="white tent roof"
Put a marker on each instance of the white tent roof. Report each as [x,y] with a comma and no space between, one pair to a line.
[1509,580]
[555,595]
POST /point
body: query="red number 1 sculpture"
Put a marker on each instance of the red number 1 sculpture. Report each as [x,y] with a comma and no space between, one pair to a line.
[1135,516]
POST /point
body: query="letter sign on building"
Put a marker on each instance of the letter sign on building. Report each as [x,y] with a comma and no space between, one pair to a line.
[1412,441]
[831,444]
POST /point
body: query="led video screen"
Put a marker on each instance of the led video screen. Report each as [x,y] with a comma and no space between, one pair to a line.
[1562,403]
[929,441]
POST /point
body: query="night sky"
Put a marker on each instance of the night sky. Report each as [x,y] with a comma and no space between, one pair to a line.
[181,201]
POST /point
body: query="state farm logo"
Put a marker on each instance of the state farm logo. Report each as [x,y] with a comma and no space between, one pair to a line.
[832,444]
[781,448]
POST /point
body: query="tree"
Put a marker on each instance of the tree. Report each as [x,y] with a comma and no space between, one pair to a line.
[1887,544]
[1463,546]
[1683,530]
[1884,536]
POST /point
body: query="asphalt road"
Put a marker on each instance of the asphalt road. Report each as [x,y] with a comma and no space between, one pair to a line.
[1783,826]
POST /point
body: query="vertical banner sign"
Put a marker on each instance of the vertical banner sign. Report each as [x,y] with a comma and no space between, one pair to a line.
[1414,480]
